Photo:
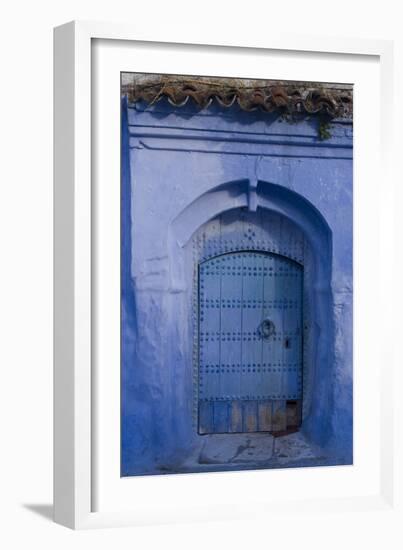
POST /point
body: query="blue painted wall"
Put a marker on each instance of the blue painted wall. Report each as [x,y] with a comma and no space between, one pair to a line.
[180,168]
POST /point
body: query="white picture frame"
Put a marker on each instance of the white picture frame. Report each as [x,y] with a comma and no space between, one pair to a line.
[87,491]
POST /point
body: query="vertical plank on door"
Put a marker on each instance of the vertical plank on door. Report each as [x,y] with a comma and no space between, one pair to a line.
[212,289]
[265,416]
[271,348]
[252,307]
[236,424]
[221,416]
[230,327]
[250,416]
[292,341]
[281,297]
[206,420]
[279,417]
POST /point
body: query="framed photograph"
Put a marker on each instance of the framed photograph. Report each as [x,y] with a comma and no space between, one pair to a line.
[221,300]
[236,274]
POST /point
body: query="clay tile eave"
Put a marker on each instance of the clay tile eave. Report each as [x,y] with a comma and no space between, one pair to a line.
[330,99]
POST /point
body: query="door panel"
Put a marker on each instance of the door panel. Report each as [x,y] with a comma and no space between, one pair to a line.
[250,343]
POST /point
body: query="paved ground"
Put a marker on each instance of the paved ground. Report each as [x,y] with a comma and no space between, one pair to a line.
[254,451]
[236,448]
[255,448]
[249,451]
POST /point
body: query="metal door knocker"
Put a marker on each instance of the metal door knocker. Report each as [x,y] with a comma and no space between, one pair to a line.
[266,329]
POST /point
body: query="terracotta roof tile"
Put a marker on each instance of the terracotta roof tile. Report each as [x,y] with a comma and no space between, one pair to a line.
[334,100]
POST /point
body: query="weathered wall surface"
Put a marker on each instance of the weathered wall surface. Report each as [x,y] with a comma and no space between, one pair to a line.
[182,167]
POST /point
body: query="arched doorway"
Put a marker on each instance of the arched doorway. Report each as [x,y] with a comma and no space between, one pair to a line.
[284,226]
[250,343]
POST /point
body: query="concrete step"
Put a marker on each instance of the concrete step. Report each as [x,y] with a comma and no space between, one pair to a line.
[236,448]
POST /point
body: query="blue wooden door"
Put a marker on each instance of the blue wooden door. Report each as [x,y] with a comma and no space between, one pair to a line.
[250,343]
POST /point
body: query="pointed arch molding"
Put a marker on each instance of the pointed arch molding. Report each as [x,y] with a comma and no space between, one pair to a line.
[251,194]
